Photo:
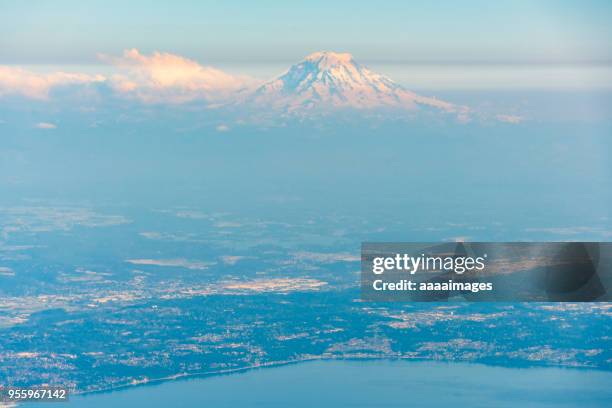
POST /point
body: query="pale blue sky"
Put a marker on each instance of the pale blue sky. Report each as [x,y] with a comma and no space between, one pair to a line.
[63,32]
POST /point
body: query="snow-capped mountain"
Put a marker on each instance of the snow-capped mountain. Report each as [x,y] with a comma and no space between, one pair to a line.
[329,80]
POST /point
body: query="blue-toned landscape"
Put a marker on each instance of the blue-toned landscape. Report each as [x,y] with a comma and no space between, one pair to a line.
[185,230]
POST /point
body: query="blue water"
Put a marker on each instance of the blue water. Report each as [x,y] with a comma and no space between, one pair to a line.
[372,384]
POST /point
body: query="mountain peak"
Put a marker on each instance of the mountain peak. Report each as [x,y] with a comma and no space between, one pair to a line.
[327,80]
[328,59]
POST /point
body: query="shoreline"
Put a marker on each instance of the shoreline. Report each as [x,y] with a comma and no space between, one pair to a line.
[230,371]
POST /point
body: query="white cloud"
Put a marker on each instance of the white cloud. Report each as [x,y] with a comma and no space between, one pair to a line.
[228,224]
[222,128]
[179,263]
[231,259]
[45,125]
[514,119]
[156,78]
[169,78]
[327,257]
[6,271]
[18,81]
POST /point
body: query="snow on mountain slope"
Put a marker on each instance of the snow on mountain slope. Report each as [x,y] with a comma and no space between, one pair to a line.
[328,80]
